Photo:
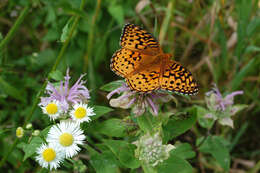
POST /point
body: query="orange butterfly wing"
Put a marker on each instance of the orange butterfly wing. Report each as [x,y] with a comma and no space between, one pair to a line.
[137,39]
[140,59]
[178,79]
[138,50]
[145,80]
[125,61]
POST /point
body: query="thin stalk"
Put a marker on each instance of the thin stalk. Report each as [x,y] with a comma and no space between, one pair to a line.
[54,67]
[88,62]
[60,55]
[166,21]
[7,154]
[147,168]
[94,147]
[148,118]
[14,28]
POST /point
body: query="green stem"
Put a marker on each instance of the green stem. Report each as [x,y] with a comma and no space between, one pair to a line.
[14,28]
[36,100]
[147,168]
[54,67]
[94,147]
[7,154]
[148,118]
[145,123]
[88,62]
[166,21]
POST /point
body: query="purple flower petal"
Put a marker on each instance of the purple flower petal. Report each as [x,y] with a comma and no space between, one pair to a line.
[66,95]
[228,100]
[153,106]
[118,91]
[138,101]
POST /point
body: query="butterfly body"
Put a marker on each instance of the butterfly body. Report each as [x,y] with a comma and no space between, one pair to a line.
[145,66]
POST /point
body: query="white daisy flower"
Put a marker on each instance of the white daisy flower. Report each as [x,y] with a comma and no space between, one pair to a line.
[67,135]
[49,156]
[52,109]
[81,112]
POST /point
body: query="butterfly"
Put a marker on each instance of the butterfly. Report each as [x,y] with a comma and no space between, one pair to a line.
[144,65]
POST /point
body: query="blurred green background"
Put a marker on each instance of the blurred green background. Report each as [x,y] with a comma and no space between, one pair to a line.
[219,41]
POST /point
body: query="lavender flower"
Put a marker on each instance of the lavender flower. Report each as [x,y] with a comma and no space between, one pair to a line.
[215,100]
[138,101]
[222,108]
[64,94]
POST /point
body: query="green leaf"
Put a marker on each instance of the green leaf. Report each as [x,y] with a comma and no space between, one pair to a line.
[124,151]
[204,122]
[74,12]
[145,122]
[56,75]
[10,90]
[43,59]
[175,127]
[249,67]
[1,36]
[147,168]
[112,85]
[30,149]
[222,64]
[238,135]
[215,146]
[254,26]
[104,163]
[52,35]
[184,151]
[51,15]
[21,145]
[117,12]
[45,131]
[65,31]
[79,166]
[100,110]
[243,9]
[112,127]
[175,164]
[252,48]
[237,108]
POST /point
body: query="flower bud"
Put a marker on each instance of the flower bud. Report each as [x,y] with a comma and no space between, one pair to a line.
[36,132]
[19,132]
[28,126]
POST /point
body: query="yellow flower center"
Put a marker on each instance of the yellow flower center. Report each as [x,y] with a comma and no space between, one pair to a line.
[80,113]
[51,108]
[19,132]
[48,154]
[66,139]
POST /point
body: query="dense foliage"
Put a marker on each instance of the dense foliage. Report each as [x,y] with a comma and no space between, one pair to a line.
[216,130]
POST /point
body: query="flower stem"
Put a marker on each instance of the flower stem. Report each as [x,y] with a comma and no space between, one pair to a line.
[36,100]
[58,59]
[3,43]
[14,28]
[88,60]
[145,123]
[166,21]
[7,154]
[92,146]
[147,168]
